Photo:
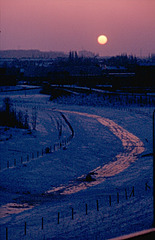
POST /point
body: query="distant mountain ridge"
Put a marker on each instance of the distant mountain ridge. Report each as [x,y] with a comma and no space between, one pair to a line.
[31,54]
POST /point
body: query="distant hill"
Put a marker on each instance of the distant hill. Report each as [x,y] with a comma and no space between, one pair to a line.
[31,54]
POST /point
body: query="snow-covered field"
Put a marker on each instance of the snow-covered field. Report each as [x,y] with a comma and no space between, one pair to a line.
[113,143]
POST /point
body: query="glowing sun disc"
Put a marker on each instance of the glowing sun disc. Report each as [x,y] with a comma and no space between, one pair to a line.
[102,39]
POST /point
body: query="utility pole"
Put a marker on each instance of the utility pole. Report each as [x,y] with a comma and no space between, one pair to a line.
[154,168]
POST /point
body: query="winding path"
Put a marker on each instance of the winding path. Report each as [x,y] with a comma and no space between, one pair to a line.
[133,146]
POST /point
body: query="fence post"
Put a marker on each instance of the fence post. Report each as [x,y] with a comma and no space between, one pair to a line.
[72,213]
[7,164]
[6,233]
[146,186]
[58,217]
[110,200]
[86,209]
[132,193]
[14,162]
[117,197]
[97,205]
[126,196]
[25,229]
[42,223]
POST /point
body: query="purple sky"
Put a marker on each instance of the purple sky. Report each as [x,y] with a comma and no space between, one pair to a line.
[64,25]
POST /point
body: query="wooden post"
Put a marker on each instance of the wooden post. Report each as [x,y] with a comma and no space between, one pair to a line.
[110,200]
[37,154]
[86,209]
[42,223]
[6,233]
[154,168]
[7,164]
[72,213]
[21,160]
[58,217]
[27,158]
[133,192]
[97,205]
[126,196]
[146,186]
[14,162]
[117,197]
[25,229]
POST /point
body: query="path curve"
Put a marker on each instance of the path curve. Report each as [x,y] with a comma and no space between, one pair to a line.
[133,146]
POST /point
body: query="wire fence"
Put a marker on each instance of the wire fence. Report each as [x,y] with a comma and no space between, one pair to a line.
[62,144]
[62,218]
[111,199]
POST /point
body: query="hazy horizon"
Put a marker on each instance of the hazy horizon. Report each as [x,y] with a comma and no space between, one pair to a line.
[67,25]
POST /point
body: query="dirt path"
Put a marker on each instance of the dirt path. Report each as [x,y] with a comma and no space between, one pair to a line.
[133,146]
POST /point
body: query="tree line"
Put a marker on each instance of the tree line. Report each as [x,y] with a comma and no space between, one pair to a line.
[11,118]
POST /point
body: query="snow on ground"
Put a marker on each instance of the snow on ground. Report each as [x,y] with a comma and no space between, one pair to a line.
[114,143]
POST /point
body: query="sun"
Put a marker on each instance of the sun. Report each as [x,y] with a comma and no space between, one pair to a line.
[102,39]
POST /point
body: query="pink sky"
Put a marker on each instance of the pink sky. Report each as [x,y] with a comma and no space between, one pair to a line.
[64,25]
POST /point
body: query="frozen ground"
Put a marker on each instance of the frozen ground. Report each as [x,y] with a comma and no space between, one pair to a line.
[115,144]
